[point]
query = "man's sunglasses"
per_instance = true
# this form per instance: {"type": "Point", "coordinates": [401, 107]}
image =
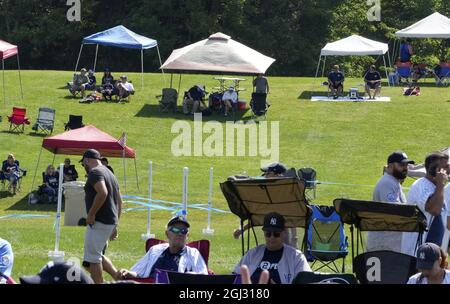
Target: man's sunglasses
{"type": "Point", "coordinates": [268, 234]}
{"type": "Point", "coordinates": [177, 230]}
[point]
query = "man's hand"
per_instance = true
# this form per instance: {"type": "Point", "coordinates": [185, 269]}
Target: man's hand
{"type": "Point", "coordinates": [245, 276]}
{"type": "Point", "coordinates": [441, 177]}
{"type": "Point", "coordinates": [90, 219]}
{"type": "Point", "coordinates": [114, 235]}
{"type": "Point", "coordinates": [237, 233]}
{"type": "Point", "coordinates": [126, 274]}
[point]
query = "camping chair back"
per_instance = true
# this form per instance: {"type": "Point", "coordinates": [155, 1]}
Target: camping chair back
{"type": "Point", "coordinates": [445, 70]}
{"type": "Point", "coordinates": [307, 277]}
{"type": "Point", "coordinates": [168, 99]}
{"type": "Point", "coordinates": [45, 120]}
{"type": "Point", "coordinates": [384, 267]}
{"type": "Point", "coordinates": [259, 104]}
{"type": "Point", "coordinates": [201, 245]}
{"type": "Point", "coordinates": [18, 119]}
{"type": "Point", "coordinates": [173, 277]}
{"type": "Point", "coordinates": [75, 122]}
{"type": "Point", "coordinates": [309, 176]}
{"type": "Point", "coordinates": [326, 240]}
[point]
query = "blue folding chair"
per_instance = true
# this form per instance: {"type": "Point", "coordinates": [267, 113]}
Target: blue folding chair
{"type": "Point", "coordinates": [403, 70]}
{"type": "Point", "coordinates": [326, 241]}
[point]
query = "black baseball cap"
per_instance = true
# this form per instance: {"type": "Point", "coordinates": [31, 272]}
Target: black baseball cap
{"type": "Point", "coordinates": [91, 153]}
{"type": "Point", "coordinates": [427, 255]}
{"type": "Point", "coordinates": [58, 273]}
{"type": "Point", "coordinates": [273, 222]}
{"type": "Point", "coordinates": [178, 219]}
{"type": "Point", "coordinates": [276, 167]}
{"type": "Point", "coordinates": [399, 157]}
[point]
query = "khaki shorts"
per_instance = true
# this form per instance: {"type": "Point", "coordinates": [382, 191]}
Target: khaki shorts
{"type": "Point", "coordinates": [95, 241]}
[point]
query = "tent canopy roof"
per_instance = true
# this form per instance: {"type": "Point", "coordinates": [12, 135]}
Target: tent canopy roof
{"type": "Point", "coordinates": [354, 45]}
{"type": "Point", "coordinates": [75, 142]}
{"type": "Point", "coordinates": [433, 26]}
{"type": "Point", "coordinates": [122, 37]}
{"type": "Point", "coordinates": [218, 53]}
{"type": "Point", "coordinates": [7, 49]}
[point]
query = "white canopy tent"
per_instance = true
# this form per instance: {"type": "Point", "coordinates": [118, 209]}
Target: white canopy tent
{"type": "Point", "coordinates": [433, 26]}
{"type": "Point", "coordinates": [353, 45]}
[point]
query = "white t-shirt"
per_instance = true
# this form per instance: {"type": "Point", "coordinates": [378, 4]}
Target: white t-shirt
{"type": "Point", "coordinates": [415, 279]}
{"type": "Point", "coordinates": [128, 86]}
{"type": "Point", "coordinates": [419, 193]}
{"type": "Point", "coordinates": [230, 95]}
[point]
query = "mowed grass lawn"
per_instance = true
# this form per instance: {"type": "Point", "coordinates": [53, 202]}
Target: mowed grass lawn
{"type": "Point", "coordinates": [345, 142]}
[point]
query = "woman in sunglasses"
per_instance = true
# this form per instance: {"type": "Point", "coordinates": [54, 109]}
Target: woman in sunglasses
{"type": "Point", "coordinates": [282, 261]}
{"type": "Point", "coordinates": [171, 256]}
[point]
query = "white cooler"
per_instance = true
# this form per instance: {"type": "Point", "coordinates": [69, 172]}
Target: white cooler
{"type": "Point", "coordinates": [75, 207]}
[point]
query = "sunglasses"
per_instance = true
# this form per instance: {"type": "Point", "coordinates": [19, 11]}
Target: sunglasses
{"type": "Point", "coordinates": [177, 230]}
{"type": "Point", "coordinates": [268, 234]}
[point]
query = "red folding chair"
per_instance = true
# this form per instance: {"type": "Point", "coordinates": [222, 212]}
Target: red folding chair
{"type": "Point", "coordinates": [18, 120]}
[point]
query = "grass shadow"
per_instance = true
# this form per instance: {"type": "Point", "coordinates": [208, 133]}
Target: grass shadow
{"type": "Point", "coordinates": [307, 94]}
{"type": "Point", "coordinates": [11, 132]}
{"type": "Point", "coordinates": [34, 134]}
{"type": "Point", "coordinates": [23, 205]}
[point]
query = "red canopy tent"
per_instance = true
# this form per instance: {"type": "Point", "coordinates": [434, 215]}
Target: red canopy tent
{"type": "Point", "coordinates": [8, 50]}
{"type": "Point", "coordinates": [75, 142]}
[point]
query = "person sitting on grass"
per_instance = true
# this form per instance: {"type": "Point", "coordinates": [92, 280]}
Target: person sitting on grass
{"type": "Point", "coordinates": [282, 261]}
{"type": "Point", "coordinates": [229, 99]}
{"type": "Point", "coordinates": [10, 171]}
{"type": "Point", "coordinates": [373, 82]}
{"type": "Point", "coordinates": [171, 256]}
{"type": "Point", "coordinates": [432, 265]}
{"type": "Point", "coordinates": [125, 88]}
{"type": "Point", "coordinates": [336, 81]}
{"type": "Point", "coordinates": [79, 83]}
{"type": "Point", "coordinates": [51, 183]}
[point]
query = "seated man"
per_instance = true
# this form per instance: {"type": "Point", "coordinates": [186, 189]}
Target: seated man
{"type": "Point", "coordinates": [6, 258]}
{"type": "Point", "coordinates": [336, 81]}
{"type": "Point", "coordinates": [193, 98]}
{"type": "Point", "coordinates": [373, 82]}
{"type": "Point", "coordinates": [172, 256]}
{"type": "Point", "coordinates": [70, 173]}
{"type": "Point", "coordinates": [92, 80]}
{"type": "Point", "coordinates": [229, 99]}
{"type": "Point", "coordinates": [11, 172]}
{"type": "Point", "coordinates": [283, 261]}
{"type": "Point", "coordinates": [124, 88]}
{"type": "Point", "coordinates": [79, 83]}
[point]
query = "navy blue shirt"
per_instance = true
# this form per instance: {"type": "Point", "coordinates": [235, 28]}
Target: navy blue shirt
{"type": "Point", "coordinates": [372, 76]}
{"type": "Point", "coordinates": [196, 93]}
{"type": "Point", "coordinates": [166, 261]}
{"type": "Point", "coordinates": [52, 180]}
{"type": "Point", "coordinates": [336, 76]}
{"type": "Point", "coordinates": [269, 262]}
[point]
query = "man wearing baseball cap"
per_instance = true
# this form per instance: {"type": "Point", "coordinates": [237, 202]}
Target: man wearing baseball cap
{"type": "Point", "coordinates": [389, 190]}
{"type": "Point", "coordinates": [432, 266]}
{"type": "Point", "coordinates": [275, 169]}
{"type": "Point", "coordinates": [171, 256]}
{"type": "Point", "coordinates": [428, 193]}
{"type": "Point", "coordinates": [103, 207]}
{"type": "Point", "coordinates": [282, 261]}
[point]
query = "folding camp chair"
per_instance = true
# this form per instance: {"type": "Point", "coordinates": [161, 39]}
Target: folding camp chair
{"type": "Point", "coordinates": [75, 122]}
{"type": "Point", "coordinates": [45, 121]}
{"type": "Point", "coordinates": [18, 120]}
{"type": "Point", "coordinates": [309, 176]}
{"type": "Point", "coordinates": [307, 277]}
{"type": "Point", "coordinates": [5, 180]}
{"type": "Point", "coordinates": [326, 240]}
{"type": "Point", "coordinates": [443, 76]}
{"type": "Point", "coordinates": [384, 267]}
{"type": "Point", "coordinates": [403, 70]}
{"type": "Point", "coordinates": [259, 104]}
{"type": "Point", "coordinates": [168, 100]}
{"type": "Point", "coordinates": [173, 277]}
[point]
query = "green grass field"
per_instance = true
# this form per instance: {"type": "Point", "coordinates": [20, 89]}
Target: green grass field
{"type": "Point", "coordinates": [345, 142]}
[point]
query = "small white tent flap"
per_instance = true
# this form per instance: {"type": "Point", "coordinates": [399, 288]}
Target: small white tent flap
{"type": "Point", "coordinates": [218, 53]}
{"type": "Point", "coordinates": [433, 26]}
{"type": "Point", "coordinates": [354, 46]}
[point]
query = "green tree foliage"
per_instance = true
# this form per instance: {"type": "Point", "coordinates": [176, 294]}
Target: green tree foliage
{"type": "Point", "coordinates": [291, 31]}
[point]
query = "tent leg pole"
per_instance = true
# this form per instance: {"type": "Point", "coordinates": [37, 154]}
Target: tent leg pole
{"type": "Point", "coordinates": [160, 62]}
{"type": "Point", "coordinates": [96, 55]}
{"type": "Point", "coordinates": [53, 161]}
{"type": "Point", "coordinates": [124, 173]}
{"type": "Point", "coordinates": [324, 62]}
{"type": "Point", "coordinates": [137, 177]}
{"type": "Point", "coordinates": [171, 80]}
{"type": "Point", "coordinates": [179, 85]}
{"type": "Point", "coordinates": [317, 72]}
{"type": "Point", "coordinates": [142, 69]}
{"type": "Point", "coordinates": [79, 56]}
{"type": "Point", "coordinates": [34, 177]}
{"type": "Point", "coordinates": [20, 77]}
{"type": "Point", "coordinates": [386, 72]}
{"type": "Point", "coordinates": [3, 79]}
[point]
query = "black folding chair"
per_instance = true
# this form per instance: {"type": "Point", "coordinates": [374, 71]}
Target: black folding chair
{"type": "Point", "coordinates": [75, 122]}
{"type": "Point", "coordinates": [168, 100]}
{"type": "Point", "coordinates": [306, 277]}
{"type": "Point", "coordinates": [259, 105]}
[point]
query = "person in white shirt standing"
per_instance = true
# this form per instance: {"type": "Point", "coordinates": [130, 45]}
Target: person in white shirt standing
{"type": "Point", "coordinates": [428, 194]}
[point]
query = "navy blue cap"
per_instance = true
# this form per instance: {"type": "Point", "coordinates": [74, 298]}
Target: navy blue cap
{"type": "Point", "coordinates": [427, 255]}
{"type": "Point", "coordinates": [276, 167]}
{"type": "Point", "coordinates": [58, 273]}
{"type": "Point", "coordinates": [178, 219]}
{"type": "Point", "coordinates": [399, 157]}
{"type": "Point", "coordinates": [273, 222]}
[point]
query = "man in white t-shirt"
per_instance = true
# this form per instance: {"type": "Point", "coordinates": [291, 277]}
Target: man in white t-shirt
{"type": "Point", "coordinates": [428, 194]}
{"type": "Point", "coordinates": [125, 88]}
{"type": "Point", "coordinates": [229, 98]}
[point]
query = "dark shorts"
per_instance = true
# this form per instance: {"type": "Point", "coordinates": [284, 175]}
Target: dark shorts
{"type": "Point", "coordinates": [373, 85]}
{"type": "Point", "coordinates": [336, 86]}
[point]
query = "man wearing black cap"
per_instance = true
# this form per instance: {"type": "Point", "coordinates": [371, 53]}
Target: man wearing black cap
{"type": "Point", "coordinates": [429, 195]}
{"type": "Point", "coordinates": [171, 256]}
{"type": "Point", "coordinates": [58, 273]}
{"type": "Point", "coordinates": [282, 261]}
{"type": "Point", "coordinates": [103, 207]}
{"type": "Point", "coordinates": [432, 266]}
{"type": "Point", "coordinates": [389, 190]}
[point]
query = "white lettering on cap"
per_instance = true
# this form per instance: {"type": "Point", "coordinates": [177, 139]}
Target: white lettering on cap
{"type": "Point", "coordinates": [273, 221]}
{"type": "Point", "coordinates": [422, 256]}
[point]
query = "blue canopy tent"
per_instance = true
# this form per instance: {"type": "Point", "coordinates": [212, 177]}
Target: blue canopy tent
{"type": "Point", "coordinates": [122, 37]}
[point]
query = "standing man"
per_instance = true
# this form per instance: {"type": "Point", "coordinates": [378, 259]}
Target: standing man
{"type": "Point", "coordinates": [261, 84]}
{"type": "Point", "coordinates": [389, 190]}
{"type": "Point", "coordinates": [406, 51]}
{"type": "Point", "coordinates": [103, 207]}
{"type": "Point", "coordinates": [428, 194]}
